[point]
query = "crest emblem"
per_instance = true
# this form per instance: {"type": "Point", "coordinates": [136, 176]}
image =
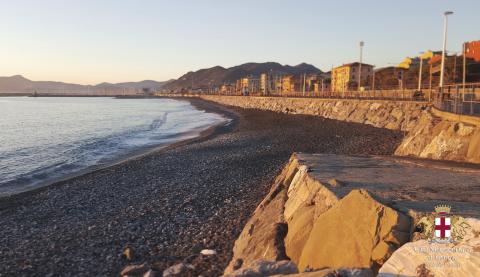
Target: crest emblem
{"type": "Point", "coordinates": [443, 227]}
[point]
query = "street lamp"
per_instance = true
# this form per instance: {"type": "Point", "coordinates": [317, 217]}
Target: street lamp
{"type": "Point", "coordinates": [445, 26]}
{"type": "Point", "coordinates": [420, 71]}
{"type": "Point", "coordinates": [360, 66]}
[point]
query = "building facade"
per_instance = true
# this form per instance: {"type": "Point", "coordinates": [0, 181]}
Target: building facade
{"type": "Point", "coordinates": [346, 77]}
{"type": "Point", "coordinates": [248, 85]}
{"type": "Point", "coordinates": [288, 84]}
{"type": "Point", "coordinates": [472, 50]}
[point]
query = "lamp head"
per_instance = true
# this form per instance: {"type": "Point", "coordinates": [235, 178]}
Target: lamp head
{"type": "Point", "coordinates": [448, 13]}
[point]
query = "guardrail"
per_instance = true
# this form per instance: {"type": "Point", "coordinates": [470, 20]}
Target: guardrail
{"type": "Point", "coordinates": [394, 95]}
{"type": "Point", "coordinates": [462, 99]}
{"type": "Point", "coordinates": [459, 99]}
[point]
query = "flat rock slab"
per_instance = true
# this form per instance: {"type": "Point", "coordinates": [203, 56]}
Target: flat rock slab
{"type": "Point", "coordinates": [409, 184]}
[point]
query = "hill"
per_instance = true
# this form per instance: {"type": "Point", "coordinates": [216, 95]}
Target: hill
{"type": "Point", "coordinates": [20, 84]}
{"type": "Point", "coordinates": [218, 75]}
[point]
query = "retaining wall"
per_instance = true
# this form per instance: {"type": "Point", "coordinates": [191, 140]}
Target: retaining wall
{"type": "Point", "coordinates": [429, 133]}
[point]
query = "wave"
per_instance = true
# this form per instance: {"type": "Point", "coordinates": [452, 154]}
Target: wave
{"type": "Point", "coordinates": [67, 143]}
{"type": "Point", "coordinates": [157, 123]}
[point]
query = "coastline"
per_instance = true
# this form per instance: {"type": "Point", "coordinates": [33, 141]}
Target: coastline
{"type": "Point", "coordinates": [231, 119]}
{"type": "Point", "coordinates": [167, 205]}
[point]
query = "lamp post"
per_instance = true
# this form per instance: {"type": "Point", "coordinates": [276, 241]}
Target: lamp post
{"type": "Point", "coordinates": [445, 27]}
{"type": "Point", "coordinates": [360, 66]}
{"type": "Point", "coordinates": [420, 72]}
{"type": "Point", "coordinates": [373, 81]}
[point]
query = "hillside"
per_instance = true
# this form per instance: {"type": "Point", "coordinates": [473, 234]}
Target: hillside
{"type": "Point", "coordinates": [218, 75]}
{"type": "Point", "coordinates": [20, 84]}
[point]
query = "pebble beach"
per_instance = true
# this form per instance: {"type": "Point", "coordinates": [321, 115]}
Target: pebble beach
{"type": "Point", "coordinates": [165, 207]}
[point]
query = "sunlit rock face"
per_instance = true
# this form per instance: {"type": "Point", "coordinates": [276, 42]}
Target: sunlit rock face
{"type": "Point", "coordinates": [358, 232]}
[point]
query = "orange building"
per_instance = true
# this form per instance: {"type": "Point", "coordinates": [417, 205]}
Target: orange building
{"type": "Point", "coordinates": [472, 50]}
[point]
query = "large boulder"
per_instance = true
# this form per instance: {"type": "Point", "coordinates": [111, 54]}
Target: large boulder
{"type": "Point", "coordinates": [358, 232]}
{"type": "Point", "coordinates": [299, 228]}
{"type": "Point", "coordinates": [307, 199]}
{"type": "Point", "coordinates": [262, 236]}
{"type": "Point", "coordinates": [435, 259]}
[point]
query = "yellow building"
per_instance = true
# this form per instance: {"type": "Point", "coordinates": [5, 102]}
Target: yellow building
{"type": "Point", "coordinates": [248, 85]}
{"type": "Point", "coordinates": [264, 87]}
{"type": "Point", "coordinates": [288, 84]}
{"type": "Point", "coordinates": [345, 77]}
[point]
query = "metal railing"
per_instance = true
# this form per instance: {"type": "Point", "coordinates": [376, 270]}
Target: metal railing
{"type": "Point", "coordinates": [393, 94]}
{"type": "Point", "coordinates": [459, 99]}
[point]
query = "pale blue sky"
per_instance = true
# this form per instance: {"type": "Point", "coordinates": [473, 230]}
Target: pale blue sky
{"type": "Point", "coordinates": [87, 41]}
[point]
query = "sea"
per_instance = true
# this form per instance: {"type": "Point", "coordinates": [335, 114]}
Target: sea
{"type": "Point", "coordinates": [43, 139]}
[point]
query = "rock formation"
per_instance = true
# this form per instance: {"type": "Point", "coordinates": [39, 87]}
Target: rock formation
{"type": "Point", "coordinates": [358, 232]}
{"type": "Point", "coordinates": [304, 221]}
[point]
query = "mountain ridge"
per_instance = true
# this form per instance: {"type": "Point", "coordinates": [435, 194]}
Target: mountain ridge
{"type": "Point", "coordinates": [202, 78]}
{"type": "Point", "coordinates": [20, 84]}
{"type": "Point", "coordinates": [218, 75]}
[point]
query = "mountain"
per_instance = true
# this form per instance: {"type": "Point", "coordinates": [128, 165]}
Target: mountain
{"type": "Point", "coordinates": [136, 85]}
{"type": "Point", "coordinates": [20, 84]}
{"type": "Point", "coordinates": [219, 75]}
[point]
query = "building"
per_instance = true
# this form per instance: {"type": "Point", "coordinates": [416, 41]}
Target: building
{"type": "Point", "coordinates": [319, 82]}
{"type": "Point", "coordinates": [288, 84]}
{"type": "Point", "coordinates": [390, 78]}
{"type": "Point", "coordinates": [266, 85]}
{"type": "Point", "coordinates": [472, 50]}
{"type": "Point", "coordinates": [345, 77]}
{"type": "Point", "coordinates": [277, 83]}
{"type": "Point", "coordinates": [248, 85]}
{"type": "Point", "coordinates": [227, 89]}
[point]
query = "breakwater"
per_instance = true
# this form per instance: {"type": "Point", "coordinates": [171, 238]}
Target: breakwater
{"type": "Point", "coordinates": [429, 133]}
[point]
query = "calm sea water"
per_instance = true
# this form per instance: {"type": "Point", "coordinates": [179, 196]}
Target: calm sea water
{"type": "Point", "coordinates": [42, 139]}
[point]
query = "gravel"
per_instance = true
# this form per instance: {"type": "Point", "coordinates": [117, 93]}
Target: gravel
{"type": "Point", "coordinates": [165, 207]}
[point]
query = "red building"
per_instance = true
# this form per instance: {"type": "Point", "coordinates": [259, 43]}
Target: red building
{"type": "Point", "coordinates": [472, 50]}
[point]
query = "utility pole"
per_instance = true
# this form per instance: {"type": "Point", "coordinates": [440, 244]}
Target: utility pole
{"type": "Point", "coordinates": [304, 80]}
{"type": "Point", "coordinates": [420, 73]}
{"type": "Point", "coordinates": [455, 69]}
{"type": "Point", "coordinates": [373, 81]}
{"type": "Point", "coordinates": [430, 86]}
{"type": "Point", "coordinates": [360, 66]}
{"type": "Point", "coordinates": [445, 29]}
{"type": "Point", "coordinates": [464, 77]}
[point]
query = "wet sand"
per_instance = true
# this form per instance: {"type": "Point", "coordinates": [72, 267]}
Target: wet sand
{"type": "Point", "coordinates": [169, 204]}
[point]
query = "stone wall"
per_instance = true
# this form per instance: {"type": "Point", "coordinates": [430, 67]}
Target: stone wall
{"type": "Point", "coordinates": [438, 135]}
{"type": "Point", "coordinates": [399, 115]}
{"type": "Point", "coordinates": [429, 134]}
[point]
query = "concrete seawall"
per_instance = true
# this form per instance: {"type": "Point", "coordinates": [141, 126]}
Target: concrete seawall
{"type": "Point", "coordinates": [429, 133]}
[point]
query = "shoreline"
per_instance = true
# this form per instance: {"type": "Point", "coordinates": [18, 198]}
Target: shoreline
{"type": "Point", "coordinates": [169, 204]}
{"type": "Point", "coordinates": [231, 119]}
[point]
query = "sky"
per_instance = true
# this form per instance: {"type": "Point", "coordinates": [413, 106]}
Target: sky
{"type": "Point", "coordinates": [89, 42]}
